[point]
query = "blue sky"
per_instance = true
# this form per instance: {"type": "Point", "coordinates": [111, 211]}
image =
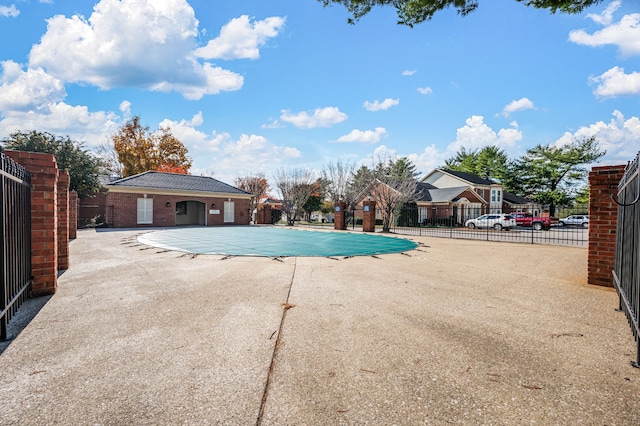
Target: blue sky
{"type": "Point", "coordinates": [254, 86]}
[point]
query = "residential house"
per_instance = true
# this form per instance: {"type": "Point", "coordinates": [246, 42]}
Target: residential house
{"type": "Point", "coordinates": [491, 192]}
{"type": "Point", "coordinates": [169, 199]}
{"type": "Point", "coordinates": [457, 203]}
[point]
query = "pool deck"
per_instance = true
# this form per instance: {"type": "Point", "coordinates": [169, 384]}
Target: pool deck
{"type": "Point", "coordinates": [455, 332]}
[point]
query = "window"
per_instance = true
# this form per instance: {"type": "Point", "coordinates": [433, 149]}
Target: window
{"type": "Point", "coordinates": [145, 211]}
{"type": "Point", "coordinates": [229, 211]}
{"type": "Point", "coordinates": [496, 196]}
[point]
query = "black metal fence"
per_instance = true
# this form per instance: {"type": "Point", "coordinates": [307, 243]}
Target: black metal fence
{"type": "Point", "coordinates": [568, 227]}
{"type": "Point", "coordinates": [16, 239]}
{"type": "Point", "coordinates": [626, 276]}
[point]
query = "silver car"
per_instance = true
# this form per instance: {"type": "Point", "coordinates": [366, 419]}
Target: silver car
{"type": "Point", "coordinates": [575, 220]}
{"type": "Point", "coordinates": [496, 221]}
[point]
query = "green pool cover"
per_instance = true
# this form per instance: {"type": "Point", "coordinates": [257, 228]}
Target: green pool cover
{"type": "Point", "coordinates": [274, 242]}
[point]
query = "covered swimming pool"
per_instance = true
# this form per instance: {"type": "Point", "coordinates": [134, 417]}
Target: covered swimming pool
{"type": "Point", "coordinates": [274, 242]}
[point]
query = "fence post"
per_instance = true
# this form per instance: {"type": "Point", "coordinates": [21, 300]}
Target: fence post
{"type": "Point", "coordinates": [603, 220]}
{"type": "Point", "coordinates": [44, 218]}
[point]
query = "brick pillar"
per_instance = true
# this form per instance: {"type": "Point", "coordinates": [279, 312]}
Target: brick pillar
{"type": "Point", "coordinates": [263, 216]}
{"type": "Point", "coordinates": [338, 216]}
{"type": "Point", "coordinates": [73, 215]}
{"type": "Point", "coordinates": [63, 220]}
{"type": "Point", "coordinates": [369, 216]}
{"type": "Point", "coordinates": [44, 220]}
{"type": "Point", "coordinates": [603, 221]}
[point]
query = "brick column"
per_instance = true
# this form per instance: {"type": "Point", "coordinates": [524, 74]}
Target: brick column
{"type": "Point", "coordinates": [603, 221]}
{"type": "Point", "coordinates": [369, 216]}
{"type": "Point", "coordinates": [63, 220]}
{"type": "Point", "coordinates": [73, 215]}
{"type": "Point", "coordinates": [263, 215]}
{"type": "Point", "coordinates": [44, 220]}
{"type": "Point", "coordinates": [338, 216]}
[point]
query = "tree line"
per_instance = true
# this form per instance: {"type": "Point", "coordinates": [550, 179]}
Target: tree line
{"type": "Point", "coordinates": [554, 176]}
{"type": "Point", "coordinates": [547, 174]}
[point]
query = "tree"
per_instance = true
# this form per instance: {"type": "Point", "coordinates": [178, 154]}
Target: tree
{"type": "Point", "coordinates": [295, 186]}
{"type": "Point", "coordinates": [489, 163]}
{"type": "Point", "coordinates": [256, 185]}
{"type": "Point", "coordinates": [315, 201]}
{"type": "Point", "coordinates": [82, 165]}
{"type": "Point", "coordinates": [413, 12]}
{"type": "Point", "coordinates": [140, 151]}
{"type": "Point", "coordinates": [393, 185]}
{"type": "Point", "coordinates": [549, 174]}
{"type": "Point", "coordinates": [338, 178]}
{"type": "Point", "coordinates": [109, 163]}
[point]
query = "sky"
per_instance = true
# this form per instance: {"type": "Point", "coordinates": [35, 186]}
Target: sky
{"type": "Point", "coordinates": [258, 86]}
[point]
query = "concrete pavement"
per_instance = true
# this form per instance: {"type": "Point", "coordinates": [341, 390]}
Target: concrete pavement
{"type": "Point", "coordinates": [462, 332]}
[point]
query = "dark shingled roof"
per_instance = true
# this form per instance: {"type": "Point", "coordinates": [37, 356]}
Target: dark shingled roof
{"type": "Point", "coordinates": [513, 198]}
{"type": "Point", "coordinates": [422, 191]}
{"type": "Point", "coordinates": [470, 177]}
{"type": "Point", "coordinates": [176, 182]}
{"type": "Point", "coordinates": [427, 192]}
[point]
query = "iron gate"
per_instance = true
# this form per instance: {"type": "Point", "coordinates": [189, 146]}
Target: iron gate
{"type": "Point", "coordinates": [625, 270]}
{"type": "Point", "coordinates": [16, 237]}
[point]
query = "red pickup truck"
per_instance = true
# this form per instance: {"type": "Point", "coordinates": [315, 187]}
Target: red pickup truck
{"type": "Point", "coordinates": [527, 219]}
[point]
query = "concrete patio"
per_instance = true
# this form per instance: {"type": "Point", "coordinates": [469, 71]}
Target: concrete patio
{"type": "Point", "coordinates": [455, 332]}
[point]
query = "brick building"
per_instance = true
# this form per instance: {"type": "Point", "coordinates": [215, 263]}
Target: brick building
{"type": "Point", "coordinates": [169, 199]}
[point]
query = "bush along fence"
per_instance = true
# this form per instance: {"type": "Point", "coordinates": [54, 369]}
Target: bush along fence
{"type": "Point", "coordinates": [625, 271]}
{"type": "Point", "coordinates": [16, 239]}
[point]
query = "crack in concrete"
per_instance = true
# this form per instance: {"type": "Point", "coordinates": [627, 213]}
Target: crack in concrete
{"type": "Point", "coordinates": [285, 308]}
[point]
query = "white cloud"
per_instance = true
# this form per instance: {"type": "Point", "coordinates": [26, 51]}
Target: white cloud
{"type": "Point", "coordinates": [131, 43]}
{"type": "Point", "coordinates": [476, 135]}
{"type": "Point", "coordinates": [241, 38]}
{"type": "Point", "coordinates": [226, 157]}
{"type": "Point", "coordinates": [77, 122]}
{"type": "Point", "coordinates": [425, 90]}
{"type": "Point", "coordinates": [377, 105]}
{"type": "Point", "coordinates": [364, 136]}
{"type": "Point", "coordinates": [624, 34]}
{"type": "Point", "coordinates": [248, 154]}
{"type": "Point", "coordinates": [125, 109]}
{"type": "Point", "coordinates": [320, 117]}
{"type": "Point", "coordinates": [428, 159]}
{"type": "Point", "coordinates": [408, 73]}
{"type": "Point", "coordinates": [606, 17]}
{"type": "Point", "coordinates": [9, 11]}
{"type": "Point", "coordinates": [23, 90]}
{"type": "Point", "coordinates": [521, 104]}
{"type": "Point", "coordinates": [272, 124]}
{"type": "Point", "coordinates": [615, 82]}
{"type": "Point", "coordinates": [620, 137]}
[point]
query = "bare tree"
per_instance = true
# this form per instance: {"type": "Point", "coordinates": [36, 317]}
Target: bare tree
{"type": "Point", "coordinates": [295, 186]}
{"type": "Point", "coordinates": [338, 179]}
{"type": "Point", "coordinates": [110, 165]}
{"type": "Point", "coordinates": [256, 185]}
{"type": "Point", "coordinates": [393, 185]}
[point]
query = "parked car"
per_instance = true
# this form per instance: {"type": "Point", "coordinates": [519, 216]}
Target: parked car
{"type": "Point", "coordinates": [576, 220]}
{"type": "Point", "coordinates": [529, 220]}
{"type": "Point", "coordinates": [496, 221]}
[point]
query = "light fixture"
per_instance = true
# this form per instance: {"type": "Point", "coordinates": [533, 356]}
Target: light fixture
{"type": "Point", "coordinates": [213, 205]}
{"type": "Point", "coordinates": [168, 204]}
